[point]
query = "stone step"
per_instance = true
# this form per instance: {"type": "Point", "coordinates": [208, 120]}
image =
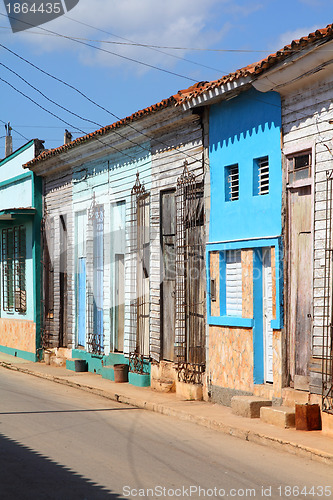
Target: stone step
{"type": "Point", "coordinates": [162, 385]}
{"type": "Point", "coordinates": [248, 406]}
{"type": "Point", "coordinates": [281, 416]}
{"type": "Point", "coordinates": [57, 360]}
{"type": "Point", "coordinates": [292, 396]}
{"type": "Point", "coordinates": [77, 365]}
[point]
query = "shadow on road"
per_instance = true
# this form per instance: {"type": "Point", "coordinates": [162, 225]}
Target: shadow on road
{"type": "Point", "coordinates": [26, 474]}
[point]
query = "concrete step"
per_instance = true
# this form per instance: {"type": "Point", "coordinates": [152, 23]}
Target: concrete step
{"type": "Point", "coordinates": [162, 385]}
{"type": "Point", "coordinates": [292, 396]}
{"type": "Point", "coordinates": [281, 416]}
{"type": "Point", "coordinates": [77, 365]}
{"type": "Point", "coordinates": [248, 406]}
{"type": "Point", "coordinates": [57, 360]}
{"type": "Point", "coordinates": [264, 391]}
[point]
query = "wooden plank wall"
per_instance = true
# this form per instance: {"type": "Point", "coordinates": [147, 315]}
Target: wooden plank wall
{"type": "Point", "coordinates": [58, 198]}
{"type": "Point", "coordinates": [182, 140]}
{"type": "Point", "coordinates": [305, 120]}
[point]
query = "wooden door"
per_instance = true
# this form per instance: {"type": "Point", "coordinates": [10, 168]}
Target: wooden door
{"type": "Point", "coordinates": [168, 284]}
{"type": "Point", "coordinates": [63, 282]}
{"type": "Point", "coordinates": [300, 281]}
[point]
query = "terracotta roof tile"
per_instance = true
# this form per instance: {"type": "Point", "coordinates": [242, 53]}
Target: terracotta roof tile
{"type": "Point", "coordinates": [199, 88]}
{"type": "Point", "coordinates": [171, 101]}
{"type": "Point", "coordinates": [257, 68]}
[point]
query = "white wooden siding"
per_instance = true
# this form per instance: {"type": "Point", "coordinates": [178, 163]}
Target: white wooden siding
{"type": "Point", "coordinates": [180, 142]}
{"type": "Point", "coordinates": [305, 120]}
{"type": "Point", "coordinates": [233, 281]}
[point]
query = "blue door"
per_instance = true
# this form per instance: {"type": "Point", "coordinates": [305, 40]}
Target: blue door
{"type": "Point", "coordinates": [82, 302]}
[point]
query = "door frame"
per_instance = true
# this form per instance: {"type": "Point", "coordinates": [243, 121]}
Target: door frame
{"type": "Point", "coordinates": [290, 152]}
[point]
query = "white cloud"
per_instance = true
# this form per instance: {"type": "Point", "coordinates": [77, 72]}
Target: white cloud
{"type": "Point", "coordinates": [287, 37]}
{"type": "Point", "coordinates": [184, 23]}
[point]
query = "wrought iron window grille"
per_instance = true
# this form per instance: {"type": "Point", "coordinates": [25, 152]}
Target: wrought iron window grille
{"type": "Point", "coordinates": [137, 362]}
{"type": "Point", "coordinates": [13, 246]}
{"type": "Point", "coordinates": [190, 278]}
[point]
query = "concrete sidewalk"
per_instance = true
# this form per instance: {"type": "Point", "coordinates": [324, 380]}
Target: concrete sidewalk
{"type": "Point", "coordinates": [313, 445]}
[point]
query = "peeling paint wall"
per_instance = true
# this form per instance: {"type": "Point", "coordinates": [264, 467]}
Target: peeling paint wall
{"type": "Point", "coordinates": [247, 283]}
{"type": "Point", "coordinates": [231, 357]}
{"type": "Point", "coordinates": [18, 334]}
{"type": "Point", "coordinates": [215, 275]}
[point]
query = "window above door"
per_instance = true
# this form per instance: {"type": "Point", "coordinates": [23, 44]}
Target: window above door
{"type": "Point", "coordinates": [299, 166]}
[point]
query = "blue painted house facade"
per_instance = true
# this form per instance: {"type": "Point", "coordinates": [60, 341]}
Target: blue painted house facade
{"type": "Point", "coordinates": [20, 257]}
{"type": "Point", "coordinates": [244, 248]}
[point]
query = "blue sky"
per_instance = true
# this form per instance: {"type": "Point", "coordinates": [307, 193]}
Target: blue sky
{"type": "Point", "coordinates": [255, 28]}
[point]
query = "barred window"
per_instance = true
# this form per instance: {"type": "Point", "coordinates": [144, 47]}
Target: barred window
{"type": "Point", "coordinates": [261, 176]}
{"type": "Point", "coordinates": [232, 183]}
{"type": "Point", "coordinates": [13, 247]}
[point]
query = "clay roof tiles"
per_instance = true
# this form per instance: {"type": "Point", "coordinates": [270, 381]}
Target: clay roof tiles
{"type": "Point", "coordinates": [254, 69]}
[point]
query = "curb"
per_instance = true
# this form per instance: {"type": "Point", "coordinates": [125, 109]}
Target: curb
{"type": "Point", "coordinates": [247, 435]}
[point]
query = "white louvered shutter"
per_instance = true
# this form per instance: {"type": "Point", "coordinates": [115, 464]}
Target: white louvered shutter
{"type": "Point", "coordinates": [233, 283]}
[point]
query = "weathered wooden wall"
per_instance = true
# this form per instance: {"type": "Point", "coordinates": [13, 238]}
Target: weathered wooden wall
{"type": "Point", "coordinates": [180, 140]}
{"type": "Point", "coordinates": [58, 199]}
{"type": "Point", "coordinates": [305, 116]}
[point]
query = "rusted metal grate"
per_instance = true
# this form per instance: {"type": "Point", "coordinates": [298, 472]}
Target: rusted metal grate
{"type": "Point", "coordinates": [327, 346]}
{"type": "Point", "coordinates": [13, 246]}
{"type": "Point", "coordinates": [140, 268]}
{"type": "Point", "coordinates": [95, 337]}
{"type": "Point", "coordinates": [190, 278]}
{"type": "Point", "coordinates": [137, 362]}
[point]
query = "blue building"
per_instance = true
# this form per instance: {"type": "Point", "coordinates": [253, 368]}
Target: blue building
{"type": "Point", "coordinates": [20, 261]}
{"type": "Point", "coordinates": [244, 248]}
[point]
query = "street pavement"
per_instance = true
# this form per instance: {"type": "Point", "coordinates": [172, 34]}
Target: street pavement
{"type": "Point", "coordinates": [314, 445]}
{"type": "Point", "coordinates": [61, 443]}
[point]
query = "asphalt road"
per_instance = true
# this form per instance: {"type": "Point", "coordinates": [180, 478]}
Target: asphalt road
{"type": "Point", "coordinates": [57, 442]}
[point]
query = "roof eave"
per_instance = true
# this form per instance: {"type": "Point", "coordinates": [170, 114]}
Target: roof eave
{"type": "Point", "coordinates": [217, 93]}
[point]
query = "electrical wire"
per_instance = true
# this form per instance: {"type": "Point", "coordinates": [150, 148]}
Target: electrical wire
{"type": "Point", "coordinates": [84, 96]}
{"type": "Point", "coordinates": [17, 132]}
{"type": "Point", "coordinates": [151, 66]}
{"type": "Point", "coordinates": [106, 146]}
{"type": "Point", "coordinates": [129, 42]}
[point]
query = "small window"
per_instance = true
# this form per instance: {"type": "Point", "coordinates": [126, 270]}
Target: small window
{"type": "Point", "coordinates": [231, 183]}
{"type": "Point", "coordinates": [233, 277]}
{"type": "Point", "coordinates": [13, 247]}
{"type": "Point", "coordinates": [299, 166]}
{"type": "Point", "coordinates": [261, 176]}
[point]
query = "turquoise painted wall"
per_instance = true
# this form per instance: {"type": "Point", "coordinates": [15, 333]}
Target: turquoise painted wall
{"type": "Point", "coordinates": [111, 178]}
{"type": "Point", "coordinates": [12, 165]}
{"type": "Point", "coordinates": [20, 188]}
{"type": "Point", "coordinates": [241, 130]}
{"type": "Point", "coordinates": [29, 270]}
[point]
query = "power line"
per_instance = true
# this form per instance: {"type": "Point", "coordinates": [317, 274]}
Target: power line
{"type": "Point", "coordinates": [104, 50]}
{"type": "Point", "coordinates": [50, 100]}
{"type": "Point", "coordinates": [129, 42]}
{"type": "Point", "coordinates": [67, 110]}
{"type": "Point", "coordinates": [84, 96]}
{"type": "Point", "coordinates": [136, 44]}
{"type": "Point", "coordinates": [107, 146]}
{"type": "Point", "coordinates": [19, 133]}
